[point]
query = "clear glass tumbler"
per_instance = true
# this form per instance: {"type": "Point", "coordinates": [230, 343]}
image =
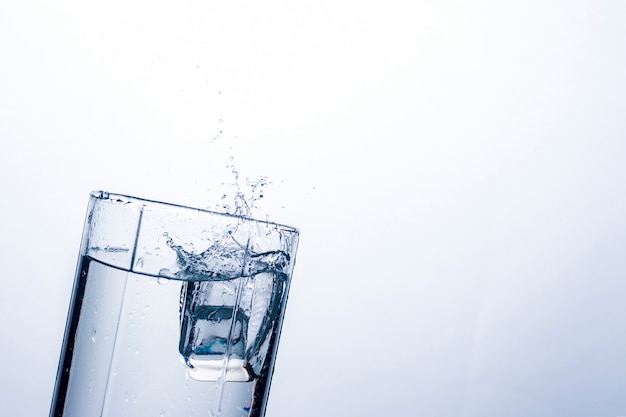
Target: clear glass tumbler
{"type": "Point", "coordinates": [175, 312]}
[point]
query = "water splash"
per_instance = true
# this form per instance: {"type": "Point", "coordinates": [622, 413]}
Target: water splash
{"type": "Point", "coordinates": [242, 200]}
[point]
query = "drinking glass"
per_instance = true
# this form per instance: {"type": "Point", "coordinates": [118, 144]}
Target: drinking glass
{"type": "Point", "coordinates": [175, 311]}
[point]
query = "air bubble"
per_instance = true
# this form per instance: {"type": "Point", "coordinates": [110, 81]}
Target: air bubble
{"type": "Point", "coordinates": [93, 336]}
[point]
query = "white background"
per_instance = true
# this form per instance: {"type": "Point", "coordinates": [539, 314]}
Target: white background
{"type": "Point", "coordinates": [456, 169]}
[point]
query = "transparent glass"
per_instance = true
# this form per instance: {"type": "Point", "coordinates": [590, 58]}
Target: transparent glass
{"type": "Point", "coordinates": [175, 312]}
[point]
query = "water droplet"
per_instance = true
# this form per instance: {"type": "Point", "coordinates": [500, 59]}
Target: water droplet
{"type": "Point", "coordinates": [93, 336]}
{"type": "Point", "coordinates": [126, 396]}
{"type": "Point", "coordinates": [163, 281]}
{"type": "Point", "coordinates": [162, 414]}
{"type": "Point", "coordinates": [221, 120]}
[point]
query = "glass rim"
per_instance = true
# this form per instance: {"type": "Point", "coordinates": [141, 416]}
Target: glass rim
{"type": "Point", "coordinates": [106, 195]}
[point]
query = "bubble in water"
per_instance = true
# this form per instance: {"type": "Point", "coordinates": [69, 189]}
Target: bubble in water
{"type": "Point", "coordinates": [162, 414]}
{"type": "Point", "coordinates": [93, 336]}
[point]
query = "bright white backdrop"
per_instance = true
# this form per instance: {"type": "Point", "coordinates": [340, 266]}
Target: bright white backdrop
{"type": "Point", "coordinates": [456, 170]}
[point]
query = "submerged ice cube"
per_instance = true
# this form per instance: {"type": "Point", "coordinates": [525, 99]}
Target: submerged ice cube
{"type": "Point", "coordinates": [230, 303]}
{"type": "Point", "coordinates": [225, 325]}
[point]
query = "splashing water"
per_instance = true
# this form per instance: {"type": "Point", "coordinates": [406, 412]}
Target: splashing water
{"type": "Point", "coordinates": [239, 200]}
